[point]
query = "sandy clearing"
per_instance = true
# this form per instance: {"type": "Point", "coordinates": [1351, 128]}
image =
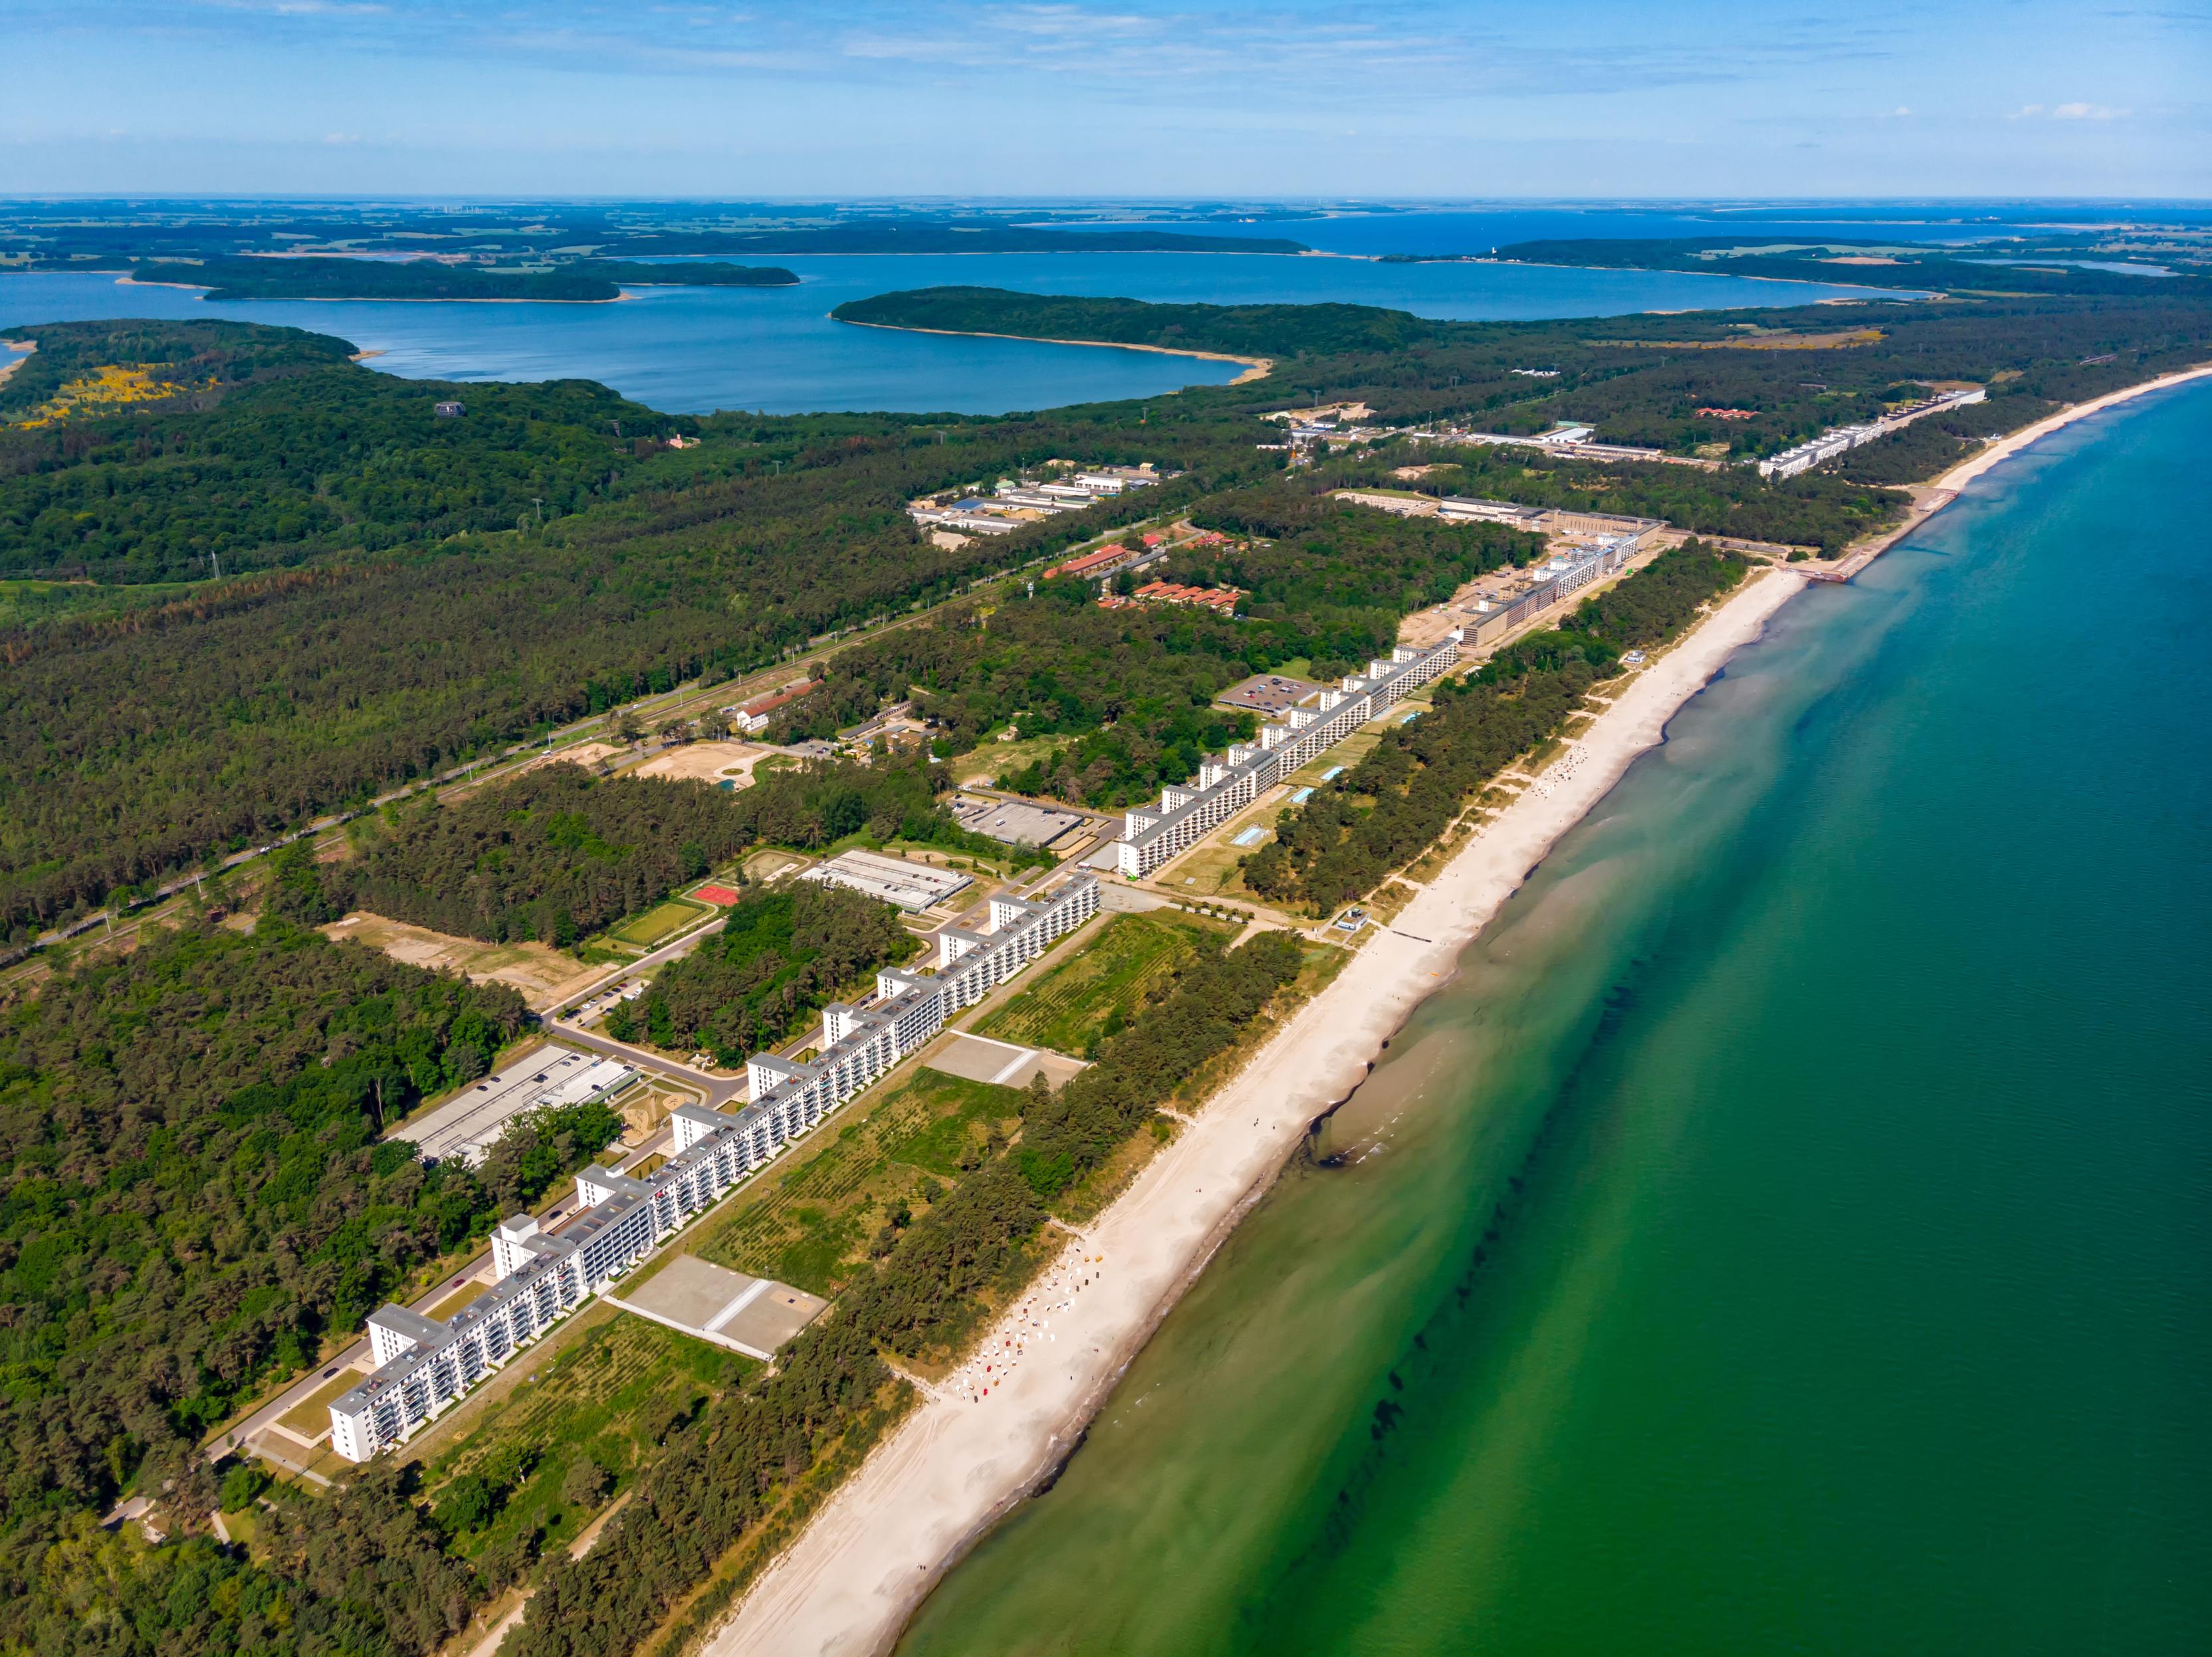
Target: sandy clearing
{"type": "Point", "coordinates": [848, 1583]}
{"type": "Point", "coordinates": [708, 761]}
{"type": "Point", "coordinates": [543, 975]}
{"type": "Point", "coordinates": [584, 753]}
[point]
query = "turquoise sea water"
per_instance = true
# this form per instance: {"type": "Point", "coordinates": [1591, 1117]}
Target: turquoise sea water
{"type": "Point", "coordinates": [1792, 1232]}
{"type": "Point", "coordinates": [694, 350]}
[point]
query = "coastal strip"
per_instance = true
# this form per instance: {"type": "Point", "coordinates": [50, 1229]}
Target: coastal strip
{"type": "Point", "coordinates": [848, 1583]}
{"type": "Point", "coordinates": [22, 348]}
{"type": "Point", "coordinates": [1928, 499]}
{"type": "Point", "coordinates": [1255, 367]}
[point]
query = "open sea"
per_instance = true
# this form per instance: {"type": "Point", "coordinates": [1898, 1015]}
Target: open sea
{"type": "Point", "coordinates": [1792, 1231]}
{"type": "Point", "coordinates": [691, 350]}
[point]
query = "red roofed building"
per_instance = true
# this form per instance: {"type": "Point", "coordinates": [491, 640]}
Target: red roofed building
{"type": "Point", "coordinates": [1091, 563]}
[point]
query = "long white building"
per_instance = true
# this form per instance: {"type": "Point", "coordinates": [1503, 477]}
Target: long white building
{"type": "Point", "coordinates": [423, 1366]}
{"type": "Point", "coordinates": [1227, 783]}
{"type": "Point", "coordinates": [1841, 439]}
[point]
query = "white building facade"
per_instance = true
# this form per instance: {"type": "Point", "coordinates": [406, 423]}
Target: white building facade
{"type": "Point", "coordinates": [1227, 783]}
{"type": "Point", "coordinates": [424, 1366]}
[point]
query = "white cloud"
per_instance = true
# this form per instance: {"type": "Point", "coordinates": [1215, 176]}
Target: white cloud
{"type": "Point", "coordinates": [2066, 112]}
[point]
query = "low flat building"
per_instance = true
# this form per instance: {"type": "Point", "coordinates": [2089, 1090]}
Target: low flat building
{"type": "Point", "coordinates": [1269, 693]}
{"type": "Point", "coordinates": [1016, 822]}
{"type": "Point", "coordinates": [466, 1126]}
{"type": "Point", "coordinates": [913, 886]}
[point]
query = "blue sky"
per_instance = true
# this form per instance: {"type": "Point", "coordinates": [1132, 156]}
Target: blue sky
{"type": "Point", "coordinates": [1155, 97]}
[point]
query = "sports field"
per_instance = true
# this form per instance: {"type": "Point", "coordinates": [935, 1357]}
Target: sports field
{"type": "Point", "coordinates": [660, 923]}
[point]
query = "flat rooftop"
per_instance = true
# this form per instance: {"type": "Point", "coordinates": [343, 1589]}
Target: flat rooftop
{"type": "Point", "coordinates": [912, 886]}
{"type": "Point", "coordinates": [466, 1126]}
{"type": "Point", "coordinates": [1015, 822]}
{"type": "Point", "coordinates": [730, 1308]}
{"type": "Point", "coordinates": [1269, 693]}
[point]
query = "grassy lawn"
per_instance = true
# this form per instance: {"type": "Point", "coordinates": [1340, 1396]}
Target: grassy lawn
{"type": "Point", "coordinates": [810, 1226]}
{"type": "Point", "coordinates": [612, 1397]}
{"type": "Point", "coordinates": [311, 1416]}
{"type": "Point", "coordinates": [660, 923]}
{"type": "Point", "coordinates": [1070, 1005]}
{"type": "Point", "coordinates": [983, 763]}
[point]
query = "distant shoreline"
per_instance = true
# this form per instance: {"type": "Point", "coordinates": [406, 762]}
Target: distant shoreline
{"type": "Point", "coordinates": [205, 288]}
{"type": "Point", "coordinates": [1255, 367]}
{"type": "Point", "coordinates": [1932, 497]}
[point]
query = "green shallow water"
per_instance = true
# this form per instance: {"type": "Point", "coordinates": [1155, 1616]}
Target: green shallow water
{"type": "Point", "coordinates": [1792, 1231]}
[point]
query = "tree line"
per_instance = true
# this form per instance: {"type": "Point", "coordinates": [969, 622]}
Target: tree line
{"type": "Point", "coordinates": [1382, 812]}
{"type": "Point", "coordinates": [554, 854]}
{"type": "Point", "coordinates": [778, 960]}
{"type": "Point", "coordinates": [196, 1199]}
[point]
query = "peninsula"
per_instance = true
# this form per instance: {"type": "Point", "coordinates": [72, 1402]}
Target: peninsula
{"type": "Point", "coordinates": [591, 281]}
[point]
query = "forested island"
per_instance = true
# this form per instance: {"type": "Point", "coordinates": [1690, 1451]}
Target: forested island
{"type": "Point", "coordinates": [1854, 263]}
{"type": "Point", "coordinates": [588, 282]}
{"type": "Point", "coordinates": [1229, 330]}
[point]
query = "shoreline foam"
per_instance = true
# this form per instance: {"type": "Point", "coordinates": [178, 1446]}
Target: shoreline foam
{"type": "Point", "coordinates": [848, 1584]}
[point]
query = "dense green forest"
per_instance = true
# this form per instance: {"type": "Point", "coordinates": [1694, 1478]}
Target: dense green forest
{"type": "Point", "coordinates": [140, 740]}
{"type": "Point", "coordinates": [1381, 812]}
{"type": "Point", "coordinates": [287, 692]}
{"type": "Point", "coordinates": [272, 450]}
{"type": "Point", "coordinates": [386, 279]}
{"type": "Point", "coordinates": [194, 1196]}
{"type": "Point", "coordinates": [1132, 690]}
{"type": "Point", "coordinates": [554, 854]}
{"type": "Point", "coordinates": [778, 961]}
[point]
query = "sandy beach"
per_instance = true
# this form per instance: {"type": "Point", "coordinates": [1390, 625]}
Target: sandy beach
{"type": "Point", "coordinates": [21, 350]}
{"type": "Point", "coordinates": [848, 1584]}
{"type": "Point", "coordinates": [1967, 470]}
{"type": "Point", "coordinates": [1255, 367]}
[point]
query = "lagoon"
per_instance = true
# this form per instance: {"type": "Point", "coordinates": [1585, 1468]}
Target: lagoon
{"type": "Point", "coordinates": [692, 350]}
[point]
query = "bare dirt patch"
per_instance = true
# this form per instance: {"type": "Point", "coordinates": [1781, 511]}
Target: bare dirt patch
{"type": "Point", "coordinates": [708, 761]}
{"type": "Point", "coordinates": [544, 975]}
{"type": "Point", "coordinates": [584, 753]}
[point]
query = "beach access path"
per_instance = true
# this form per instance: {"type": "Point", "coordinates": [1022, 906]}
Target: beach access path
{"type": "Point", "coordinates": [847, 1585]}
